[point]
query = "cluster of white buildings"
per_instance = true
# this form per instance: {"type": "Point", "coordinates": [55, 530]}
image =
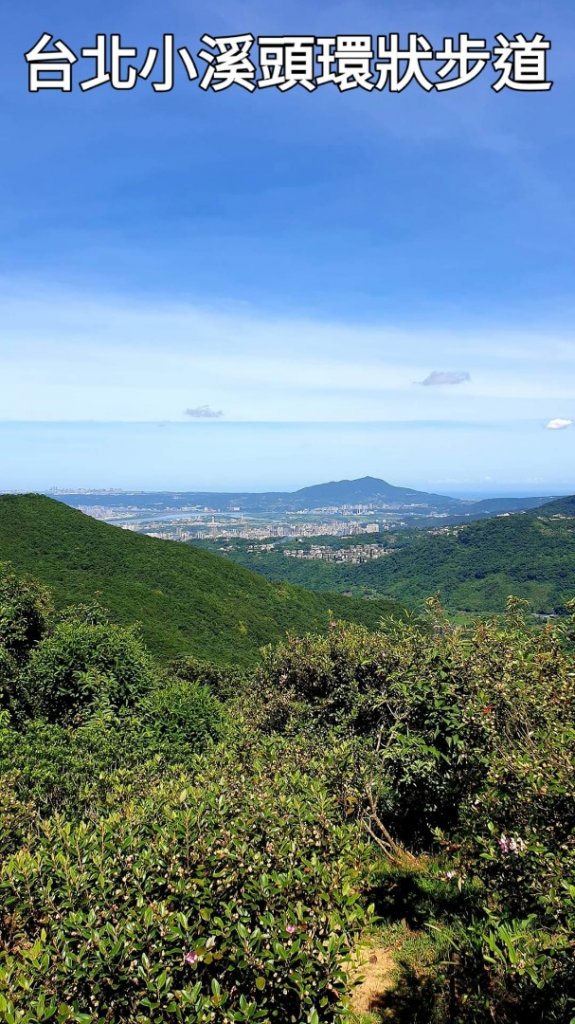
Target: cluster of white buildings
{"type": "Point", "coordinates": [355, 554]}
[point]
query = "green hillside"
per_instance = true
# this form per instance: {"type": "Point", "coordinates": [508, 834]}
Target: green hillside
{"type": "Point", "coordinates": [187, 601]}
{"type": "Point", "coordinates": [478, 567]}
{"type": "Point", "coordinates": [559, 507]}
{"type": "Point", "coordinates": [530, 555]}
{"type": "Point", "coordinates": [314, 575]}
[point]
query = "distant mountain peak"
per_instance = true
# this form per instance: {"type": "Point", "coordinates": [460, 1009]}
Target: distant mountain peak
{"type": "Point", "coordinates": [364, 490]}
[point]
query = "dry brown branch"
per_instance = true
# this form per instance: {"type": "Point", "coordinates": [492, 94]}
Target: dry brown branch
{"type": "Point", "coordinates": [393, 850]}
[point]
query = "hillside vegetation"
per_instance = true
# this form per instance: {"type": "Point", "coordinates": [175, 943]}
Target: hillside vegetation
{"type": "Point", "coordinates": [189, 845]}
{"type": "Point", "coordinates": [186, 601]}
{"type": "Point", "coordinates": [480, 566]}
{"type": "Point", "coordinates": [560, 507]}
{"type": "Point", "coordinates": [475, 569]}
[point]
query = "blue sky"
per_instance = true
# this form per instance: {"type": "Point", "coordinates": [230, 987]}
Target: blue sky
{"type": "Point", "coordinates": [297, 263]}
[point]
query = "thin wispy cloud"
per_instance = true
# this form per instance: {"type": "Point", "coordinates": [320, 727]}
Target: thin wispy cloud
{"type": "Point", "coordinates": [60, 349]}
{"type": "Point", "coordinates": [204, 412]}
{"type": "Point", "coordinates": [558, 424]}
{"type": "Point", "coordinates": [438, 378]}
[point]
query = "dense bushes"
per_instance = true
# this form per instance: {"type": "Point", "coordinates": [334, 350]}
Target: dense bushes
{"type": "Point", "coordinates": [80, 662]}
{"type": "Point", "coordinates": [82, 698]}
{"type": "Point", "coordinates": [57, 667]}
{"type": "Point", "coordinates": [178, 719]}
{"type": "Point", "coordinates": [198, 844]}
{"type": "Point", "coordinates": [24, 607]}
{"type": "Point", "coordinates": [212, 897]}
{"type": "Point", "coordinates": [431, 703]}
{"type": "Point", "coordinates": [519, 841]}
{"type": "Point", "coordinates": [465, 747]}
{"type": "Point", "coordinates": [227, 889]}
{"type": "Point", "coordinates": [65, 768]}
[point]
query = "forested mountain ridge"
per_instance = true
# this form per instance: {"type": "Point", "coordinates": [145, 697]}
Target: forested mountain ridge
{"type": "Point", "coordinates": [477, 567]}
{"type": "Point", "coordinates": [560, 506]}
{"type": "Point", "coordinates": [474, 568]}
{"type": "Point", "coordinates": [187, 601]}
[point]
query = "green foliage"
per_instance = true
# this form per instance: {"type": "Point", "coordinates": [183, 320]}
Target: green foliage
{"type": "Point", "coordinates": [51, 767]}
{"type": "Point", "coordinates": [224, 681]}
{"type": "Point", "coordinates": [8, 679]}
{"type": "Point", "coordinates": [474, 569]}
{"type": "Point", "coordinates": [188, 602]}
{"type": "Point", "coordinates": [402, 692]}
{"type": "Point", "coordinates": [212, 897]}
{"type": "Point", "coordinates": [465, 747]}
{"type": "Point", "coordinates": [79, 663]}
{"type": "Point", "coordinates": [180, 717]}
{"type": "Point", "coordinates": [518, 841]}
{"type": "Point", "coordinates": [17, 810]}
{"type": "Point", "coordinates": [23, 610]}
{"type": "Point", "coordinates": [203, 843]}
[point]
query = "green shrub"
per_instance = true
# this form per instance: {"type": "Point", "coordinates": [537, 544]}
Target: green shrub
{"type": "Point", "coordinates": [432, 706]}
{"type": "Point", "coordinates": [9, 681]}
{"type": "Point", "coordinates": [59, 767]}
{"type": "Point", "coordinates": [79, 663]}
{"type": "Point", "coordinates": [229, 897]}
{"type": "Point", "coordinates": [518, 842]}
{"type": "Point", "coordinates": [24, 607]}
{"type": "Point", "coordinates": [511, 842]}
{"type": "Point", "coordinates": [17, 809]}
{"type": "Point", "coordinates": [181, 719]}
{"type": "Point", "coordinates": [224, 682]}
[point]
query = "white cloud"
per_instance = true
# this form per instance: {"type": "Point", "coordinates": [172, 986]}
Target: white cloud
{"type": "Point", "coordinates": [440, 377]}
{"type": "Point", "coordinates": [204, 412]}
{"type": "Point", "coordinates": [72, 356]}
{"type": "Point", "coordinates": [558, 424]}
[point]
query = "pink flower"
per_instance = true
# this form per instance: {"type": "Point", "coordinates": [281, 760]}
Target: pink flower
{"type": "Point", "coordinates": [504, 844]}
{"type": "Point", "coordinates": [191, 958]}
{"type": "Point", "coordinates": [290, 929]}
{"type": "Point", "coordinates": [511, 845]}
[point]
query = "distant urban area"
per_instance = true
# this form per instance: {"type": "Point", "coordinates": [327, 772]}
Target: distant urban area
{"type": "Point", "coordinates": [347, 508]}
